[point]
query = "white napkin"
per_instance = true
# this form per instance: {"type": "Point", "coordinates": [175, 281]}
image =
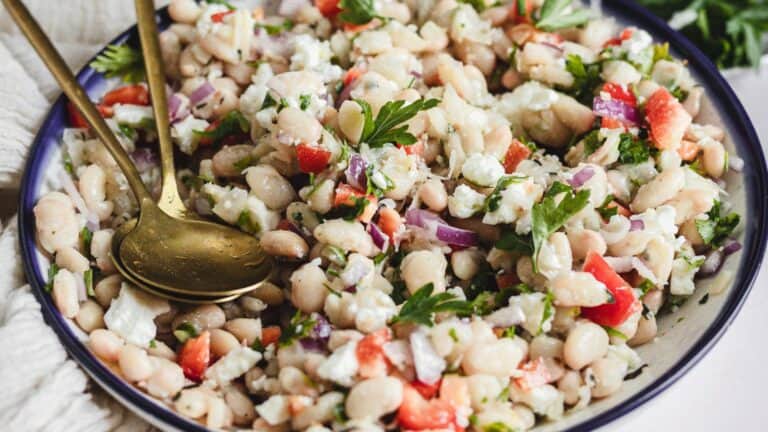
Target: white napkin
{"type": "Point", "coordinates": [42, 388]}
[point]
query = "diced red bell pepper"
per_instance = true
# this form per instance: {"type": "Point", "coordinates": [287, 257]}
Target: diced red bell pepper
{"type": "Point", "coordinates": [370, 354]}
{"type": "Point", "coordinates": [624, 301]}
{"type": "Point", "coordinates": [131, 94]}
{"type": "Point", "coordinates": [270, 335]}
{"type": "Point", "coordinates": [427, 391]}
{"type": "Point", "coordinates": [347, 195]}
{"type": "Point", "coordinates": [390, 222]}
{"type": "Point", "coordinates": [417, 413]}
{"type": "Point", "coordinates": [626, 34]}
{"type": "Point", "coordinates": [618, 92]}
{"type": "Point", "coordinates": [312, 159]}
{"type": "Point", "coordinates": [611, 123]}
{"type": "Point", "coordinates": [219, 17]}
{"type": "Point", "coordinates": [195, 356]}
{"type": "Point", "coordinates": [416, 148]}
{"type": "Point", "coordinates": [76, 119]}
{"type": "Point", "coordinates": [329, 8]}
{"type": "Point", "coordinates": [516, 153]}
{"type": "Point", "coordinates": [667, 119]}
{"type": "Point", "coordinates": [351, 75]}
{"type": "Point", "coordinates": [514, 14]}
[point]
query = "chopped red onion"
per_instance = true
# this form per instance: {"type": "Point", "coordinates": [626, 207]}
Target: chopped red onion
{"type": "Point", "coordinates": [731, 247]}
{"type": "Point", "coordinates": [711, 264]}
{"type": "Point", "coordinates": [201, 93]}
{"type": "Point", "coordinates": [428, 364]}
{"type": "Point", "coordinates": [174, 103]}
{"type": "Point", "coordinates": [555, 47]}
{"type": "Point", "coordinates": [317, 340]}
{"type": "Point", "coordinates": [735, 163]}
{"type": "Point", "coordinates": [143, 159]}
{"type": "Point", "coordinates": [441, 230]}
{"type": "Point", "coordinates": [178, 107]}
{"type": "Point", "coordinates": [345, 94]}
{"type": "Point", "coordinates": [616, 109]}
{"type": "Point", "coordinates": [636, 225]}
{"type": "Point", "coordinates": [416, 74]}
{"type": "Point", "coordinates": [91, 218]}
{"type": "Point", "coordinates": [582, 177]}
{"type": "Point", "coordinates": [355, 172]}
{"type": "Point", "coordinates": [379, 238]}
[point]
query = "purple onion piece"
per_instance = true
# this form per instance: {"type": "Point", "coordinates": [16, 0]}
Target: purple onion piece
{"type": "Point", "coordinates": [201, 93]}
{"type": "Point", "coordinates": [582, 177]}
{"type": "Point", "coordinates": [615, 109]}
{"type": "Point", "coordinates": [636, 225]}
{"type": "Point", "coordinates": [379, 238]}
{"type": "Point", "coordinates": [731, 247]}
{"type": "Point", "coordinates": [416, 74]}
{"type": "Point", "coordinates": [345, 94]}
{"type": "Point", "coordinates": [711, 264]}
{"type": "Point", "coordinates": [313, 344]}
{"type": "Point", "coordinates": [174, 103]}
{"type": "Point", "coordinates": [456, 236]}
{"type": "Point", "coordinates": [735, 163]}
{"type": "Point", "coordinates": [144, 159]}
{"type": "Point", "coordinates": [355, 172]}
{"type": "Point", "coordinates": [317, 340]}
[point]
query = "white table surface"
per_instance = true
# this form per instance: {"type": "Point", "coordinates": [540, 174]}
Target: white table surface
{"type": "Point", "coordinates": [726, 390]}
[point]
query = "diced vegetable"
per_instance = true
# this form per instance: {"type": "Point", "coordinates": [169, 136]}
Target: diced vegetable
{"type": "Point", "coordinates": [312, 159]}
{"type": "Point", "coordinates": [624, 302]}
{"type": "Point", "coordinates": [195, 356]}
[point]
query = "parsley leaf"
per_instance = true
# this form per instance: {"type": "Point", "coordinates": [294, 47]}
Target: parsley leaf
{"type": "Point", "coordinates": [355, 210]}
{"type": "Point", "coordinates": [299, 328]}
{"type": "Point", "coordinates": [234, 123]}
{"type": "Point", "coordinates": [275, 29]}
{"type": "Point", "coordinates": [548, 216]}
{"type": "Point", "coordinates": [549, 310]}
{"type": "Point", "coordinates": [246, 223]}
{"type": "Point", "coordinates": [52, 270]}
{"type": "Point", "coordinates": [420, 307]}
{"type": "Point", "coordinates": [304, 101]}
{"type": "Point", "coordinates": [357, 12]}
{"type": "Point", "coordinates": [554, 15]}
{"type": "Point", "coordinates": [185, 331]}
{"type": "Point", "coordinates": [86, 236]}
{"type": "Point", "coordinates": [592, 142]}
{"type": "Point", "coordinates": [606, 210]}
{"type": "Point", "coordinates": [716, 229]}
{"type": "Point", "coordinates": [69, 167]}
{"type": "Point", "coordinates": [478, 5]}
{"type": "Point", "coordinates": [513, 242]}
{"type": "Point", "coordinates": [120, 61]}
{"type": "Point", "coordinates": [612, 332]}
{"type": "Point", "coordinates": [88, 280]}
{"type": "Point", "coordinates": [633, 151]}
{"type": "Point", "coordinates": [388, 126]}
{"type": "Point", "coordinates": [586, 78]}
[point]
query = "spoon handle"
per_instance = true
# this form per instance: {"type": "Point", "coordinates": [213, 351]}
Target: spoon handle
{"type": "Point", "coordinates": [170, 201]}
{"type": "Point", "coordinates": [75, 93]}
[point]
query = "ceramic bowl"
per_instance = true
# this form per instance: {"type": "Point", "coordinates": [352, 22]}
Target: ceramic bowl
{"type": "Point", "coordinates": [684, 339]}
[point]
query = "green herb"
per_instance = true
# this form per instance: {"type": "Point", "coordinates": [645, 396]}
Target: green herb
{"type": "Point", "coordinates": [592, 142]}
{"type": "Point", "coordinates": [633, 151]}
{"type": "Point", "coordinates": [606, 210]}
{"type": "Point", "coordinates": [661, 52]}
{"type": "Point", "coordinates": [88, 280]}
{"type": "Point", "coordinates": [86, 237]}
{"type": "Point", "coordinates": [554, 15]}
{"type": "Point", "coordinates": [478, 5]}
{"type": "Point", "coordinates": [350, 213]}
{"type": "Point", "coordinates": [453, 335]}
{"type": "Point", "coordinates": [557, 188]}
{"type": "Point", "coordinates": [371, 188]}
{"type": "Point", "coordinates": [222, 2]}
{"type": "Point", "coordinates": [339, 413]}
{"type": "Point", "coordinates": [299, 328]}
{"type": "Point", "coordinates": [127, 131]}
{"type": "Point", "coordinates": [717, 227]}
{"type": "Point", "coordinates": [493, 201]}
{"type": "Point", "coordinates": [503, 394]}
{"type": "Point", "coordinates": [304, 101]}
{"type": "Point", "coordinates": [473, 418]}
{"type": "Point", "coordinates": [185, 331]}
{"type": "Point", "coordinates": [275, 29]}
{"type": "Point", "coordinates": [388, 126]}
{"type": "Point", "coordinates": [153, 343]}
{"type": "Point", "coordinates": [357, 12]}
{"type": "Point", "coordinates": [509, 332]}
{"type": "Point", "coordinates": [514, 242]}
{"type": "Point", "coordinates": [69, 167]}
{"type": "Point", "coordinates": [497, 426]}
{"type": "Point", "coordinates": [258, 346]}
{"type": "Point", "coordinates": [704, 299]}
{"type": "Point", "coordinates": [246, 223]}
{"type": "Point", "coordinates": [612, 332]}
{"type": "Point", "coordinates": [549, 310]}
{"type": "Point", "coordinates": [548, 216]}
{"type": "Point", "coordinates": [379, 258]}
{"type": "Point", "coordinates": [420, 307]}
{"type": "Point", "coordinates": [234, 123]}
{"type": "Point", "coordinates": [730, 32]}
{"type": "Point", "coordinates": [335, 255]}
{"type": "Point", "coordinates": [120, 61]}
{"type": "Point", "coordinates": [52, 270]}
{"type": "Point", "coordinates": [586, 78]}
{"type": "Point", "coordinates": [243, 163]}
{"type": "Point", "coordinates": [645, 287]}
{"type": "Point", "coordinates": [679, 94]}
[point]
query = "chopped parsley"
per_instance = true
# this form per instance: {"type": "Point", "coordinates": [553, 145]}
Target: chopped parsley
{"type": "Point", "coordinates": [52, 270]}
{"type": "Point", "coordinates": [549, 216]}
{"type": "Point", "coordinates": [549, 310]}
{"type": "Point", "coordinates": [555, 15]}
{"type": "Point", "coordinates": [246, 223]}
{"type": "Point", "coordinates": [153, 343]}
{"type": "Point", "coordinates": [88, 280]}
{"type": "Point", "coordinates": [275, 29]}
{"type": "Point", "coordinates": [120, 61]}
{"type": "Point", "coordinates": [717, 227]}
{"type": "Point", "coordinates": [243, 163]}
{"type": "Point", "coordinates": [497, 426]}
{"type": "Point", "coordinates": [234, 123]}
{"type": "Point", "coordinates": [513, 242]}
{"type": "Point", "coordinates": [704, 299]}
{"type": "Point", "coordinates": [633, 151]}
{"type": "Point", "coordinates": [127, 131]}
{"type": "Point", "coordinates": [299, 328]}
{"type": "Point", "coordinates": [269, 101]}
{"type": "Point", "coordinates": [421, 307]}
{"type": "Point", "coordinates": [69, 167]}
{"type": "Point", "coordinates": [185, 331]}
{"type": "Point", "coordinates": [304, 101]}
{"type": "Point", "coordinates": [358, 12]}
{"type": "Point", "coordinates": [388, 126]}
{"type": "Point", "coordinates": [453, 335]}
{"type": "Point", "coordinates": [612, 332]}
{"type": "Point", "coordinates": [645, 287]}
{"type": "Point", "coordinates": [478, 5]}
{"type": "Point", "coordinates": [493, 202]}
{"type": "Point", "coordinates": [606, 210]}
{"type": "Point", "coordinates": [222, 2]}
{"type": "Point", "coordinates": [509, 332]}
{"type": "Point", "coordinates": [586, 78]}
{"type": "Point", "coordinates": [592, 142]}
{"type": "Point", "coordinates": [351, 212]}
{"type": "Point", "coordinates": [86, 237]}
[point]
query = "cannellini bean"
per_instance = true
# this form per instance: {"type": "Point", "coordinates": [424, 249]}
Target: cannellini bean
{"type": "Point", "coordinates": [374, 398]}
{"type": "Point", "coordinates": [565, 319]}
{"type": "Point", "coordinates": [92, 186]}
{"type": "Point", "coordinates": [217, 47]}
{"type": "Point", "coordinates": [585, 343]}
{"type": "Point", "coordinates": [692, 103]}
{"type": "Point", "coordinates": [72, 260]}
{"type": "Point", "coordinates": [244, 329]}
{"type": "Point", "coordinates": [241, 73]}
{"type": "Point", "coordinates": [269, 186]}
{"type": "Point", "coordinates": [351, 120]}
{"type": "Point", "coordinates": [569, 385]}
{"type": "Point", "coordinates": [499, 358]}
{"type": "Point", "coordinates": [203, 317]}
{"type": "Point", "coordinates": [659, 255]}
{"type": "Point", "coordinates": [189, 66]}
{"type": "Point", "coordinates": [609, 374]}
{"type": "Point", "coordinates": [134, 363]}
{"type": "Point", "coordinates": [170, 50]}
{"type": "Point", "coordinates": [653, 300]}
{"type": "Point", "coordinates": [184, 11]}
{"type": "Point", "coordinates": [466, 263]}
{"type": "Point", "coordinates": [225, 161]}
{"type": "Point", "coordinates": [101, 249]}
{"type": "Point", "coordinates": [483, 388]}
{"type": "Point", "coordinates": [350, 236]}
{"type": "Point", "coordinates": [65, 293]}
{"type": "Point", "coordinates": [321, 199]}
{"type": "Point", "coordinates": [422, 267]}
{"type": "Point", "coordinates": [284, 243]}
{"type": "Point", "coordinates": [294, 381]}
{"type": "Point", "coordinates": [222, 342]}
{"type": "Point", "coordinates": [192, 403]}
{"type": "Point", "coordinates": [583, 241]}
{"type": "Point", "coordinates": [661, 189]}
{"type": "Point", "coordinates": [167, 378]}
{"type": "Point", "coordinates": [299, 125]}
{"type": "Point", "coordinates": [578, 289]}
{"type": "Point", "coordinates": [301, 215]}
{"type": "Point", "coordinates": [321, 412]}
{"type": "Point", "coordinates": [219, 414]}
{"type": "Point", "coordinates": [714, 158]}
{"type": "Point", "coordinates": [269, 293]}
{"type": "Point", "coordinates": [546, 346]}
{"type": "Point", "coordinates": [497, 141]}
{"type": "Point", "coordinates": [689, 203]}
{"type": "Point", "coordinates": [243, 412]}
{"type": "Point", "coordinates": [107, 289]}
{"type": "Point", "coordinates": [308, 289]}
{"type": "Point", "coordinates": [646, 331]}
{"type": "Point", "coordinates": [90, 316]}
{"type": "Point", "coordinates": [577, 117]}
{"type": "Point", "coordinates": [433, 194]}
{"type": "Point", "coordinates": [691, 233]}
{"type": "Point", "coordinates": [105, 344]}
{"type": "Point", "coordinates": [160, 349]}
{"type": "Point", "coordinates": [546, 127]}
{"type": "Point", "coordinates": [477, 54]}
{"type": "Point", "coordinates": [56, 222]}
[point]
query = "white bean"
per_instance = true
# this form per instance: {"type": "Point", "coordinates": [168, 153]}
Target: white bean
{"type": "Point", "coordinates": [295, 382]}
{"type": "Point", "coordinates": [351, 120]}
{"type": "Point", "coordinates": [433, 194]}
{"type": "Point", "coordinates": [308, 289]}
{"type": "Point", "coordinates": [269, 293]}
{"type": "Point", "coordinates": [573, 288]}
{"type": "Point", "coordinates": [160, 349]}
{"type": "Point", "coordinates": [284, 243]}
{"type": "Point", "coordinates": [92, 186]}
{"type": "Point", "coordinates": [184, 11]}
{"type": "Point", "coordinates": [105, 344]}
{"type": "Point", "coordinates": [713, 158]}
{"type": "Point", "coordinates": [374, 398]}
{"type": "Point", "coordinates": [56, 222]}
{"type": "Point", "coordinates": [204, 317]}
{"type": "Point", "coordinates": [72, 260]}
{"type": "Point", "coordinates": [170, 50]}
{"type": "Point", "coordinates": [646, 331]}
{"type": "Point", "coordinates": [134, 363]}
{"type": "Point", "coordinates": [546, 346]}
{"type": "Point", "coordinates": [423, 267]}
{"type": "Point", "coordinates": [65, 293]}
{"type": "Point", "coordinates": [107, 289]}
{"type": "Point", "coordinates": [569, 385]}
{"type": "Point", "coordinates": [350, 236]}
{"type": "Point", "coordinates": [583, 241]}
{"type": "Point", "coordinates": [244, 329]}
{"type": "Point", "coordinates": [219, 414]}
{"type": "Point", "coordinates": [189, 66]}
{"type": "Point", "coordinates": [466, 263]}
{"type": "Point", "coordinates": [217, 47]}
{"type": "Point", "coordinates": [321, 412]}
{"type": "Point", "coordinates": [659, 255]}
{"type": "Point", "coordinates": [609, 374]}
{"type": "Point", "coordinates": [499, 358]}
{"type": "Point", "coordinates": [483, 388]}
{"type": "Point", "coordinates": [299, 125]}
{"type": "Point", "coordinates": [659, 190]}
{"type": "Point", "coordinates": [226, 160]}
{"type": "Point", "coordinates": [585, 343]}
{"type": "Point", "coordinates": [192, 403]}
{"type": "Point", "coordinates": [243, 412]}
{"type": "Point", "coordinates": [166, 380]}
{"type": "Point", "coordinates": [222, 342]}
{"type": "Point", "coordinates": [90, 316]}
{"type": "Point", "coordinates": [101, 249]}
{"type": "Point", "coordinates": [269, 186]}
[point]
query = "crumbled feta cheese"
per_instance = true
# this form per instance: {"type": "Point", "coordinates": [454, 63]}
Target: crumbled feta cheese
{"type": "Point", "coordinates": [507, 316]}
{"type": "Point", "coordinates": [372, 42]}
{"type": "Point", "coordinates": [532, 306]}
{"type": "Point", "coordinates": [517, 200]}
{"type": "Point", "coordinates": [229, 203]}
{"type": "Point", "coordinates": [262, 219]}
{"type": "Point", "coordinates": [683, 271]}
{"type": "Point", "coordinates": [482, 170]}
{"type": "Point", "coordinates": [275, 410]}
{"type": "Point", "coordinates": [374, 309]}
{"type": "Point", "coordinates": [341, 366]}
{"type": "Point", "coordinates": [183, 133]}
{"type": "Point", "coordinates": [358, 272]}
{"type": "Point", "coordinates": [237, 362]}
{"type": "Point", "coordinates": [465, 202]}
{"type": "Point", "coordinates": [132, 315]}
{"type": "Point", "coordinates": [428, 364]}
{"type": "Point", "coordinates": [132, 115]}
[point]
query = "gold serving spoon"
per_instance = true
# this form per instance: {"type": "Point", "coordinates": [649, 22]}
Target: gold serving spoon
{"type": "Point", "coordinates": [163, 251]}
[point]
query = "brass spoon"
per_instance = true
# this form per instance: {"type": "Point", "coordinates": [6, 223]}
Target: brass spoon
{"type": "Point", "coordinates": [165, 251]}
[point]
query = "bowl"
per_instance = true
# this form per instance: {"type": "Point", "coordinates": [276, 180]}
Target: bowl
{"type": "Point", "coordinates": [685, 336]}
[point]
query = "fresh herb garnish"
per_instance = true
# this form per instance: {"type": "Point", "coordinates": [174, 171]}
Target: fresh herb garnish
{"type": "Point", "coordinates": [275, 29]}
{"type": "Point", "coordinates": [453, 335]}
{"type": "Point", "coordinates": [549, 310]}
{"type": "Point", "coordinates": [127, 131]}
{"type": "Point", "coordinates": [548, 216]}
{"type": "Point", "coordinates": [52, 270]}
{"type": "Point", "coordinates": [299, 328]}
{"type": "Point", "coordinates": [246, 223]}
{"type": "Point", "coordinates": [388, 126]}
{"type": "Point", "coordinates": [478, 5]}
{"type": "Point", "coordinates": [704, 299]}
{"type": "Point", "coordinates": [120, 61]}
{"type": "Point", "coordinates": [514, 242]}
{"type": "Point", "coordinates": [304, 101]}
{"type": "Point", "coordinates": [612, 332]}
{"type": "Point", "coordinates": [153, 343]}
{"type": "Point", "coordinates": [554, 15]}
{"type": "Point", "coordinates": [258, 346]}
{"type": "Point", "coordinates": [243, 163]}
{"type": "Point", "coordinates": [351, 212]}
{"type": "Point", "coordinates": [69, 167]}
{"type": "Point", "coordinates": [645, 287]}
{"type": "Point", "coordinates": [421, 307]}
{"type": "Point", "coordinates": [632, 150]}
{"type": "Point", "coordinates": [185, 331]}
{"type": "Point", "coordinates": [717, 227]}
{"type": "Point", "coordinates": [234, 123]}
{"type": "Point", "coordinates": [509, 332]}
{"type": "Point", "coordinates": [357, 12]}
{"type": "Point", "coordinates": [606, 210]}
{"type": "Point", "coordinates": [86, 237]}
{"type": "Point", "coordinates": [88, 280]}
{"type": "Point", "coordinates": [498, 426]}
{"type": "Point", "coordinates": [592, 142]}
{"type": "Point", "coordinates": [493, 201]}
{"type": "Point", "coordinates": [586, 78]}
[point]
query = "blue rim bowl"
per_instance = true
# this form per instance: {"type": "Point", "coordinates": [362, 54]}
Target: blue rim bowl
{"type": "Point", "coordinates": [740, 130]}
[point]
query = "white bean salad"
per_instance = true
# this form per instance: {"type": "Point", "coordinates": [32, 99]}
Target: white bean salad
{"type": "Point", "coordinates": [478, 209]}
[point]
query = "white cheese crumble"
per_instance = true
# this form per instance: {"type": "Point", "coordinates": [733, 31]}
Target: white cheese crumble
{"type": "Point", "coordinates": [132, 315]}
{"type": "Point", "coordinates": [237, 362]}
{"type": "Point", "coordinates": [183, 133]}
{"type": "Point", "coordinates": [341, 366]}
{"type": "Point", "coordinates": [465, 202]}
{"type": "Point", "coordinates": [482, 170]}
{"type": "Point", "coordinates": [132, 115]}
{"type": "Point", "coordinates": [275, 410]}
